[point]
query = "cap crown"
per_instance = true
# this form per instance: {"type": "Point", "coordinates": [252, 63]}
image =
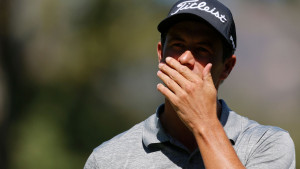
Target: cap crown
{"type": "Point", "coordinates": [212, 11]}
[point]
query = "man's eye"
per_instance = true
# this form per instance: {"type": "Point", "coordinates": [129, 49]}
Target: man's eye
{"type": "Point", "coordinates": [201, 49]}
{"type": "Point", "coordinates": [177, 45]}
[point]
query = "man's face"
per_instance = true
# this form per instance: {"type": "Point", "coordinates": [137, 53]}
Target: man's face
{"type": "Point", "coordinates": [195, 44]}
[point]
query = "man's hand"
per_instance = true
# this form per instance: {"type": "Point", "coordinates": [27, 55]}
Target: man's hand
{"type": "Point", "coordinates": [193, 96]}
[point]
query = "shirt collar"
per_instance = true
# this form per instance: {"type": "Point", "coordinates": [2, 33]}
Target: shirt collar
{"type": "Point", "coordinates": [153, 132]}
{"type": "Point", "coordinates": [232, 122]}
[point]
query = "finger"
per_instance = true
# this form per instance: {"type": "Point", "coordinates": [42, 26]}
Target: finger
{"type": "Point", "coordinates": [207, 73]}
{"type": "Point", "coordinates": [183, 70]}
{"type": "Point", "coordinates": [170, 83]}
{"type": "Point", "coordinates": [166, 92]}
{"type": "Point", "coordinates": [173, 74]}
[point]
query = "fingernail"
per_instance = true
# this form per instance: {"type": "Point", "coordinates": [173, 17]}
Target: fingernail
{"type": "Point", "coordinates": [168, 59]}
{"type": "Point", "coordinates": [158, 85]}
{"type": "Point", "coordinates": [160, 65]}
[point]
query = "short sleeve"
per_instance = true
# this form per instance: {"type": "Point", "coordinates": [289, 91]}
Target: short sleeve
{"type": "Point", "coordinates": [91, 162]}
{"type": "Point", "coordinates": [274, 150]}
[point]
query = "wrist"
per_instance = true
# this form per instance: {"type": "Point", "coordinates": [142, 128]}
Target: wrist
{"type": "Point", "coordinates": [208, 129]}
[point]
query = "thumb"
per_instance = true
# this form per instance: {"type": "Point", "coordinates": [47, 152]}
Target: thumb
{"type": "Point", "coordinates": [207, 74]}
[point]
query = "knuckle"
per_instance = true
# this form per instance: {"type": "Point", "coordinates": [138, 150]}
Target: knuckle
{"type": "Point", "coordinates": [168, 83]}
{"type": "Point", "coordinates": [198, 81]}
{"type": "Point", "coordinates": [183, 69]}
{"type": "Point", "coordinates": [181, 97]}
{"type": "Point", "coordinates": [176, 101]}
{"type": "Point", "coordinates": [171, 76]}
{"type": "Point", "coordinates": [190, 88]}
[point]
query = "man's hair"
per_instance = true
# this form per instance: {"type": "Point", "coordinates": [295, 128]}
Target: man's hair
{"type": "Point", "coordinates": [227, 51]}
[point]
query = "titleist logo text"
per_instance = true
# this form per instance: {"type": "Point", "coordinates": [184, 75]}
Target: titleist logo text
{"type": "Point", "coordinates": [202, 6]}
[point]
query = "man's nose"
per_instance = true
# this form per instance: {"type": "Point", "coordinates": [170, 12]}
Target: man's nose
{"type": "Point", "coordinates": [187, 58]}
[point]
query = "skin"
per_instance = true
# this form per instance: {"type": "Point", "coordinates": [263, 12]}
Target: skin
{"type": "Point", "coordinates": [192, 68]}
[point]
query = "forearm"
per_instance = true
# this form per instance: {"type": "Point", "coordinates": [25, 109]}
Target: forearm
{"type": "Point", "coordinates": [216, 149]}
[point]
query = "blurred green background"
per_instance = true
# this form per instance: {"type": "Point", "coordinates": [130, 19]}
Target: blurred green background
{"type": "Point", "coordinates": [74, 73]}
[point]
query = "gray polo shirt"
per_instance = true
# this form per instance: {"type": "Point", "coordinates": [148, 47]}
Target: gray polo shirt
{"type": "Point", "coordinates": [148, 146]}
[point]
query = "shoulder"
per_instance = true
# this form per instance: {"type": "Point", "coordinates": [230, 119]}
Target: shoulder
{"type": "Point", "coordinates": [128, 136]}
{"type": "Point", "coordinates": [122, 141]}
{"type": "Point", "coordinates": [265, 146]}
{"type": "Point", "coordinates": [112, 150]}
{"type": "Point", "coordinates": [257, 134]}
{"type": "Point", "coordinates": [271, 138]}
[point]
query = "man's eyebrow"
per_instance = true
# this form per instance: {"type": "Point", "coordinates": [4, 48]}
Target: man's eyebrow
{"type": "Point", "coordinates": [206, 43]}
{"type": "Point", "coordinates": [175, 37]}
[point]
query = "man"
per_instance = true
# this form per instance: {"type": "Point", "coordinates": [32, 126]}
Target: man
{"type": "Point", "coordinates": [193, 129]}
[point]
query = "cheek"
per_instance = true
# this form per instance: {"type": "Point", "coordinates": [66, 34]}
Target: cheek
{"type": "Point", "coordinates": [203, 61]}
{"type": "Point", "coordinates": [198, 68]}
{"type": "Point", "coordinates": [216, 73]}
{"type": "Point", "coordinates": [171, 53]}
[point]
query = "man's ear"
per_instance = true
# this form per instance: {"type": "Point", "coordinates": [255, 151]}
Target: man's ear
{"type": "Point", "coordinates": [228, 66]}
{"type": "Point", "coordinates": [159, 52]}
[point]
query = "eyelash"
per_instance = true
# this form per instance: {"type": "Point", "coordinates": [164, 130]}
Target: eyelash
{"type": "Point", "coordinates": [197, 50]}
{"type": "Point", "coordinates": [202, 49]}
